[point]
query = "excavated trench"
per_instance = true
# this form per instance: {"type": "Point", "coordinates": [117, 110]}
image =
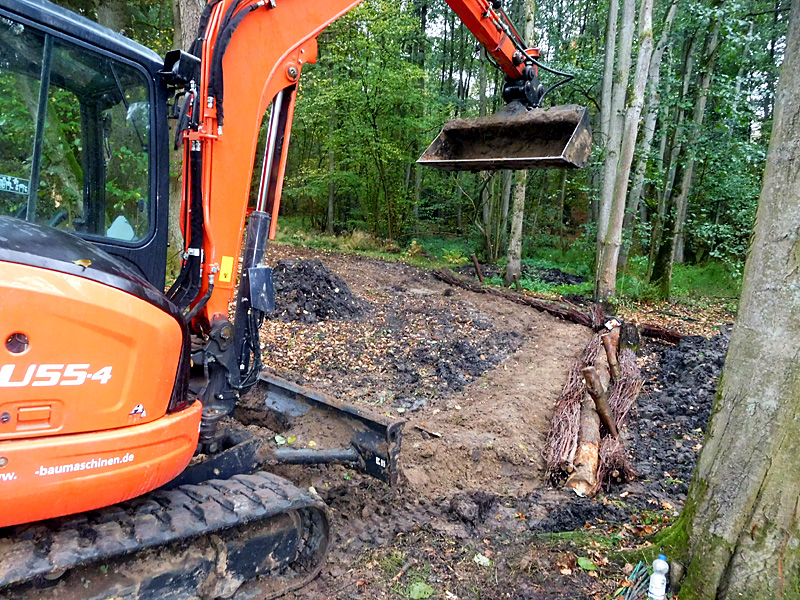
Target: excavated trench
{"type": "Point", "coordinates": [477, 379]}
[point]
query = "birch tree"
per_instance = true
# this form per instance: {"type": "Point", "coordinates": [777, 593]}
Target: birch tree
{"type": "Point", "coordinates": [619, 88]}
{"type": "Point", "coordinates": [513, 266]}
{"type": "Point", "coordinates": [648, 131]}
{"type": "Point", "coordinates": [607, 274]}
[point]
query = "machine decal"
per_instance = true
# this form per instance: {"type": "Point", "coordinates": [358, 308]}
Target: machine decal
{"type": "Point", "coordinates": [226, 269]}
{"type": "Point", "coordinates": [51, 375]}
{"type": "Point", "coordinates": [8, 476]}
{"type": "Point", "coordinates": [138, 410]}
{"type": "Point", "coordinates": [15, 185]}
{"type": "Point", "coordinates": [95, 463]}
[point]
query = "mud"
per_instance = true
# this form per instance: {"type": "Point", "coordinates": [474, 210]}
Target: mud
{"type": "Point", "coordinates": [669, 422]}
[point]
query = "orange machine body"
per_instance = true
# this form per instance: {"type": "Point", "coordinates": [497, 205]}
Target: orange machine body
{"type": "Point", "coordinates": [83, 404]}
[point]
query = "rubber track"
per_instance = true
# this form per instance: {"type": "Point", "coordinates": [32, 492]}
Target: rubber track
{"type": "Point", "coordinates": [156, 519]}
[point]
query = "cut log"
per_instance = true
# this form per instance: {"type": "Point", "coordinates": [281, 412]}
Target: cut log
{"type": "Point", "coordinates": [611, 356]}
{"type": "Point", "coordinates": [478, 271]}
{"type": "Point", "coordinates": [654, 331]}
{"type": "Point", "coordinates": [584, 478]}
{"type": "Point", "coordinates": [600, 396]}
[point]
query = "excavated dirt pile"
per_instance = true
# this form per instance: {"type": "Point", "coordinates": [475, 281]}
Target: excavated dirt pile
{"type": "Point", "coordinates": [307, 291]}
{"type": "Point", "coordinates": [670, 421]}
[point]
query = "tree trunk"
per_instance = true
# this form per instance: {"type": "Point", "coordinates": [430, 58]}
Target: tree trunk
{"type": "Point", "coordinates": [648, 130]}
{"type": "Point", "coordinates": [709, 58]}
{"type": "Point", "coordinates": [608, 70]}
{"type": "Point", "coordinates": [676, 146]}
{"type": "Point", "coordinates": [515, 242]}
{"type": "Point", "coordinates": [742, 512]}
{"type": "Point", "coordinates": [620, 87]}
{"type": "Point", "coordinates": [605, 103]}
{"type": "Point", "coordinates": [518, 211]}
{"type": "Point", "coordinates": [332, 165]}
{"type": "Point", "coordinates": [607, 274]}
{"type": "Point", "coordinates": [508, 179]}
{"type": "Point", "coordinates": [673, 222]}
{"type": "Point", "coordinates": [562, 193]}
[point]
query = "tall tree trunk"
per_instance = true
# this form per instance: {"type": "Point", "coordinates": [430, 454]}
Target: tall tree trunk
{"type": "Point", "coordinates": [513, 267]}
{"type": "Point", "coordinates": [676, 146]}
{"type": "Point", "coordinates": [518, 211]}
{"type": "Point", "coordinates": [562, 193]}
{"type": "Point", "coordinates": [508, 178]}
{"type": "Point", "coordinates": [605, 97]}
{"type": "Point", "coordinates": [648, 130]}
{"type": "Point", "coordinates": [422, 10]}
{"type": "Point", "coordinates": [698, 114]}
{"type": "Point", "coordinates": [607, 274]}
{"type": "Point", "coordinates": [332, 163]}
{"type": "Point", "coordinates": [608, 70]}
{"type": "Point", "coordinates": [744, 502]}
{"type": "Point", "coordinates": [619, 89]}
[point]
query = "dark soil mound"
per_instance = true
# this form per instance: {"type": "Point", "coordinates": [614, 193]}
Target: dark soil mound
{"type": "Point", "coordinates": [307, 291]}
{"type": "Point", "coordinates": [670, 421]}
{"type": "Point", "coordinates": [558, 277]}
{"type": "Point", "coordinates": [551, 276]}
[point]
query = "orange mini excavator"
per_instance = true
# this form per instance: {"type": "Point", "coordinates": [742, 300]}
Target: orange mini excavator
{"type": "Point", "coordinates": [125, 468]}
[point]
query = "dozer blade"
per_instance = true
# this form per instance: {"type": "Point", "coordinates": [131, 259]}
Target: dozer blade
{"type": "Point", "coordinates": [340, 433]}
{"type": "Point", "coordinates": [514, 138]}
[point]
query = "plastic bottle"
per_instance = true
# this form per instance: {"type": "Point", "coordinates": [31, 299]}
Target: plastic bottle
{"type": "Point", "coordinates": [658, 580]}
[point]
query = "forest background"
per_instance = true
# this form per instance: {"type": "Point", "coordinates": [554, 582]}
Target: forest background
{"type": "Point", "coordinates": [683, 88]}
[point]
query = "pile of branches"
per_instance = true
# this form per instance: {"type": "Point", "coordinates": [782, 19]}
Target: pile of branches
{"type": "Point", "coordinates": [562, 439]}
{"type": "Point", "coordinates": [584, 445]}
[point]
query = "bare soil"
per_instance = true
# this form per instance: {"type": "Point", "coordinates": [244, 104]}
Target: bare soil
{"type": "Point", "coordinates": [476, 378]}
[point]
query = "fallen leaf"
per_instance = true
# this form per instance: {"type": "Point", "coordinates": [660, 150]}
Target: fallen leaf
{"type": "Point", "coordinates": [280, 440]}
{"type": "Point", "coordinates": [419, 590]}
{"type": "Point", "coordinates": [482, 560]}
{"type": "Point", "coordinates": [312, 443]}
{"type": "Point", "coordinates": [586, 564]}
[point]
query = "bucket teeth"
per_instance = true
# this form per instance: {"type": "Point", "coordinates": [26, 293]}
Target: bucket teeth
{"type": "Point", "coordinates": [514, 138]}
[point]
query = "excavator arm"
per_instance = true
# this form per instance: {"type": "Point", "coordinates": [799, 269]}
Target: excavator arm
{"type": "Point", "coordinates": [247, 59]}
{"type": "Point", "coordinates": [252, 53]}
{"type": "Point", "coordinates": [125, 424]}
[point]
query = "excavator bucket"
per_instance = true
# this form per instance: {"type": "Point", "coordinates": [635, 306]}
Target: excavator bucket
{"type": "Point", "coordinates": [514, 138]}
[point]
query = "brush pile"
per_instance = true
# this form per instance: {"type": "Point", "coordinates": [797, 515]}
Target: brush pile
{"type": "Point", "coordinates": [584, 447]}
